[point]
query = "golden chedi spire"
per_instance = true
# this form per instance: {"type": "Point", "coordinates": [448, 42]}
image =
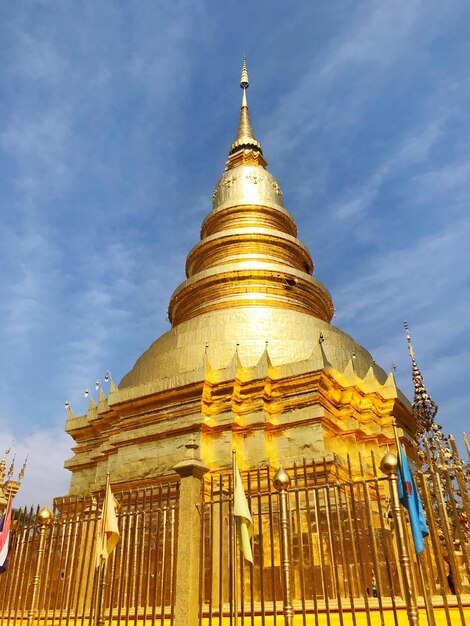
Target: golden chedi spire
{"type": "Point", "coordinates": [249, 281]}
{"type": "Point", "coordinates": [248, 254]}
{"type": "Point", "coordinates": [245, 141]}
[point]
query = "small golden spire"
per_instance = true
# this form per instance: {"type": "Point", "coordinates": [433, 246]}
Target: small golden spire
{"type": "Point", "coordinates": [12, 468]}
{"type": "Point", "coordinates": [244, 82]}
{"type": "Point", "coordinates": [3, 464]}
{"type": "Point", "coordinates": [23, 468]}
{"type": "Point", "coordinates": [245, 138]}
{"type": "Point", "coordinates": [424, 407]}
{"type": "Point", "coordinates": [467, 444]}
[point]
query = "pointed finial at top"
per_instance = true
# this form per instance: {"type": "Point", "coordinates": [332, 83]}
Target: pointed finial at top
{"type": "Point", "coordinates": [424, 407]}
{"type": "Point", "coordinates": [245, 140]}
{"type": "Point", "coordinates": [12, 468]}
{"type": "Point", "coordinates": [23, 468]}
{"type": "Point", "coordinates": [408, 339]}
{"type": "Point", "coordinates": [244, 82]}
{"type": "Point", "coordinates": [416, 371]}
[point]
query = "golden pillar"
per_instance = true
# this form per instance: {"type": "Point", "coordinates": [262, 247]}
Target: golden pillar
{"type": "Point", "coordinates": [188, 558]}
{"type": "Point", "coordinates": [389, 466]}
{"type": "Point", "coordinates": [281, 483]}
{"type": "Point", "coordinates": [45, 518]}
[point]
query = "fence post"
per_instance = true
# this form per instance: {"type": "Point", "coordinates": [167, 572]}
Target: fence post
{"type": "Point", "coordinates": [281, 482]}
{"type": "Point", "coordinates": [220, 547]}
{"type": "Point", "coordinates": [389, 466]}
{"type": "Point", "coordinates": [188, 557]}
{"type": "Point", "coordinates": [45, 518]}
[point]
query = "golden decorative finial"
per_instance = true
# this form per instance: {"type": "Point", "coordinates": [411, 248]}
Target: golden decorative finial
{"type": "Point", "coordinates": [3, 464]}
{"type": "Point", "coordinates": [245, 138]}
{"type": "Point", "coordinates": [22, 470]}
{"type": "Point", "coordinates": [281, 479]}
{"type": "Point", "coordinates": [244, 82]}
{"type": "Point", "coordinates": [467, 444]}
{"type": "Point", "coordinates": [45, 516]}
{"type": "Point", "coordinates": [424, 407]}
{"type": "Point", "coordinates": [12, 468]}
{"type": "Point", "coordinates": [68, 408]}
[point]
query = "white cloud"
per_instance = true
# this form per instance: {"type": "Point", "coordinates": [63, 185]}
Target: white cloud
{"type": "Point", "coordinates": [412, 149]}
{"type": "Point", "coordinates": [416, 276]}
{"type": "Point", "coordinates": [377, 38]}
{"type": "Point", "coordinates": [452, 178]}
{"type": "Point", "coordinates": [343, 75]}
{"type": "Point", "coordinates": [40, 59]}
{"type": "Point", "coordinates": [43, 145]}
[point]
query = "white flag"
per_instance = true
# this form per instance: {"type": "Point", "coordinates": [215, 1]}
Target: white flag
{"type": "Point", "coordinates": [242, 516]}
{"type": "Point", "coordinates": [108, 531]}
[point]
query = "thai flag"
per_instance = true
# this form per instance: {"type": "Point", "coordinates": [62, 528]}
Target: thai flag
{"type": "Point", "coordinates": [4, 537]}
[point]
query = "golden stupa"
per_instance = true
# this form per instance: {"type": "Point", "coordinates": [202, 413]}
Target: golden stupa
{"type": "Point", "coordinates": [252, 361]}
{"type": "Point", "coordinates": [253, 365]}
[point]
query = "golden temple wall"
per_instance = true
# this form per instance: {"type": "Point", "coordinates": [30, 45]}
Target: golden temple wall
{"type": "Point", "coordinates": [269, 420]}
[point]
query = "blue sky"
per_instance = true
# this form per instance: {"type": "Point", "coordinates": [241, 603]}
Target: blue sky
{"type": "Point", "coordinates": [116, 118]}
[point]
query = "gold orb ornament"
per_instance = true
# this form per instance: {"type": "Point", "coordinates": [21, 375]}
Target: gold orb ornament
{"type": "Point", "coordinates": [45, 516]}
{"type": "Point", "coordinates": [281, 480]}
{"type": "Point", "coordinates": [389, 464]}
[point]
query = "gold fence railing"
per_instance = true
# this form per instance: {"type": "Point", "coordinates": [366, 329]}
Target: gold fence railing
{"type": "Point", "coordinates": [140, 571]}
{"type": "Point", "coordinates": [342, 543]}
{"type": "Point", "coordinates": [343, 548]}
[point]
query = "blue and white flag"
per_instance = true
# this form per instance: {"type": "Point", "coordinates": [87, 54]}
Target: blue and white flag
{"type": "Point", "coordinates": [410, 499]}
{"type": "Point", "coordinates": [5, 523]}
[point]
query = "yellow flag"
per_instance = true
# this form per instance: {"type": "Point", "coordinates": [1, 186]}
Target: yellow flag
{"type": "Point", "coordinates": [242, 516]}
{"type": "Point", "coordinates": [108, 531]}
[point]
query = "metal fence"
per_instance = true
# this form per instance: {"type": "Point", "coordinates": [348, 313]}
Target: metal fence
{"type": "Point", "coordinates": [140, 571]}
{"type": "Point", "coordinates": [343, 551]}
{"type": "Point", "coordinates": [344, 554]}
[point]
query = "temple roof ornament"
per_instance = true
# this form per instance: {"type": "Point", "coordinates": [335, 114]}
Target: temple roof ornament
{"type": "Point", "coordinates": [424, 407]}
{"type": "Point", "coordinates": [9, 487]}
{"type": "Point", "coordinates": [438, 455]}
{"type": "Point", "coordinates": [245, 138]}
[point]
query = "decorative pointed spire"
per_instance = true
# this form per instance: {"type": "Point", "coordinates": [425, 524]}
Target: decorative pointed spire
{"type": "Point", "coordinates": [12, 468]}
{"type": "Point", "coordinates": [245, 138]}
{"type": "Point", "coordinates": [3, 465]}
{"type": "Point", "coordinates": [23, 468]}
{"type": "Point", "coordinates": [424, 407]}
{"type": "Point", "coordinates": [68, 408]}
{"type": "Point", "coordinates": [244, 81]}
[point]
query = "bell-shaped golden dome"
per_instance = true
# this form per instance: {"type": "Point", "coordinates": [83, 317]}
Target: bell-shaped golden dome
{"type": "Point", "coordinates": [249, 280]}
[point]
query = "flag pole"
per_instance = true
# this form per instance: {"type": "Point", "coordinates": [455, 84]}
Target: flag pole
{"type": "Point", "coordinates": [399, 477]}
{"type": "Point", "coordinates": [389, 466]}
{"type": "Point", "coordinates": [234, 543]}
{"type": "Point", "coordinates": [426, 594]}
{"type": "Point", "coordinates": [397, 441]}
{"type": "Point", "coordinates": [102, 563]}
{"type": "Point", "coordinates": [5, 516]}
{"type": "Point", "coordinates": [8, 504]}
